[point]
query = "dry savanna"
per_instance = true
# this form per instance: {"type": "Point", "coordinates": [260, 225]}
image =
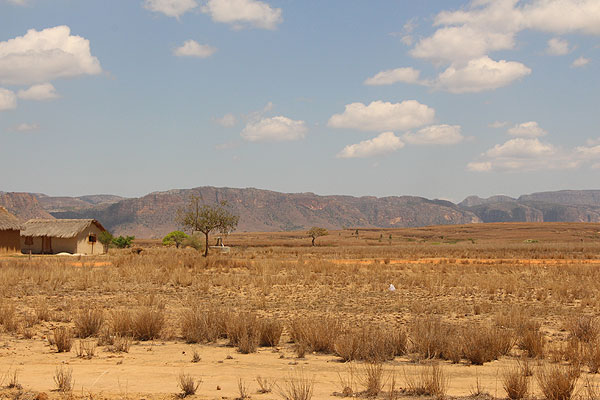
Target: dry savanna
{"type": "Point", "coordinates": [472, 311]}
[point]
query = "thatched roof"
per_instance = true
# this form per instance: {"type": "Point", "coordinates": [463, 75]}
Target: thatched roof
{"type": "Point", "coordinates": [8, 221]}
{"type": "Point", "coordinates": [59, 228]}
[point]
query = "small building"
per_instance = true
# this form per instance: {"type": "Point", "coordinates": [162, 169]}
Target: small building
{"type": "Point", "coordinates": [53, 236]}
{"type": "Point", "coordinates": [9, 232]}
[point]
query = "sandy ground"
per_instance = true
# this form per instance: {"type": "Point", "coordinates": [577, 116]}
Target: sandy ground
{"type": "Point", "coordinates": [153, 367]}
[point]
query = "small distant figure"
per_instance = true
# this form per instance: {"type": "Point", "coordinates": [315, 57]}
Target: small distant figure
{"type": "Point", "coordinates": [392, 288]}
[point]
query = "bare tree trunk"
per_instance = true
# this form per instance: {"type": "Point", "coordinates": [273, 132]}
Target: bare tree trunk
{"type": "Point", "coordinates": [313, 241]}
{"type": "Point", "coordinates": [206, 247]}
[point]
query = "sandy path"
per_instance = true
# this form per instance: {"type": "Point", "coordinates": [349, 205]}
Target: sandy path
{"type": "Point", "coordinates": [153, 368]}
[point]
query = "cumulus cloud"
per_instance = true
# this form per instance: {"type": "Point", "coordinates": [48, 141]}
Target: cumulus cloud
{"type": "Point", "coordinates": [191, 48]}
{"type": "Point", "coordinates": [275, 129]}
{"type": "Point", "coordinates": [26, 127]}
{"type": "Point", "coordinates": [42, 56]}
{"type": "Point", "coordinates": [580, 62]}
{"type": "Point", "coordinates": [481, 74]}
{"type": "Point", "coordinates": [435, 135]}
{"type": "Point", "coordinates": [524, 154]}
{"type": "Point", "coordinates": [171, 8]}
{"type": "Point", "coordinates": [228, 120]}
{"type": "Point", "coordinates": [385, 143]}
{"type": "Point", "coordinates": [8, 100]}
{"type": "Point", "coordinates": [244, 13]}
{"type": "Point", "coordinates": [498, 124]}
{"type": "Point", "coordinates": [558, 47]}
{"type": "Point", "coordinates": [391, 76]}
{"type": "Point", "coordinates": [383, 116]}
{"type": "Point", "coordinates": [463, 40]}
{"type": "Point", "coordinates": [527, 129]}
{"type": "Point", "coordinates": [44, 91]}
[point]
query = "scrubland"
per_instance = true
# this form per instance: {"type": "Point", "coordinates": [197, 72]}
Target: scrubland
{"type": "Point", "coordinates": [482, 311]}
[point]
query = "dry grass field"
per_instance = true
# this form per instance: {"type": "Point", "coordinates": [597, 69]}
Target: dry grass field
{"type": "Point", "coordinates": [478, 311]}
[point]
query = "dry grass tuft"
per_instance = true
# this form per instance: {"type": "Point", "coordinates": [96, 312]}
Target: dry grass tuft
{"type": "Point", "coordinates": [317, 334]}
{"type": "Point", "coordinates": [485, 344]}
{"type": "Point", "coordinates": [557, 382]}
{"type": "Point", "coordinates": [148, 323]}
{"type": "Point", "coordinates": [270, 332]}
{"type": "Point", "coordinates": [584, 328]}
{"type": "Point", "coordinates": [88, 322]}
{"type": "Point", "coordinates": [199, 326]}
{"type": "Point", "coordinates": [515, 383]}
{"type": "Point", "coordinates": [63, 378]}
{"type": "Point", "coordinates": [532, 341]}
{"type": "Point", "coordinates": [242, 390]}
{"type": "Point", "coordinates": [297, 386]}
{"type": "Point", "coordinates": [429, 381]}
{"type": "Point", "coordinates": [86, 349]}
{"type": "Point", "coordinates": [187, 384]}
{"type": "Point", "coordinates": [372, 378]}
{"type": "Point", "coordinates": [265, 385]}
{"type": "Point", "coordinates": [63, 339]}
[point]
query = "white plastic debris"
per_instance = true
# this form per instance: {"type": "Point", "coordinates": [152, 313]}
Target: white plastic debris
{"type": "Point", "coordinates": [392, 288]}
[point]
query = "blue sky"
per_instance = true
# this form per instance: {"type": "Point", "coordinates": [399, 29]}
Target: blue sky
{"type": "Point", "coordinates": [440, 99]}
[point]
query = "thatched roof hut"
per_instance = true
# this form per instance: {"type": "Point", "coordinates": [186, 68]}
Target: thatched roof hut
{"type": "Point", "coordinates": [58, 228]}
{"type": "Point", "coordinates": [9, 232]}
{"type": "Point", "coordinates": [49, 236]}
{"type": "Point", "coordinates": [8, 222]}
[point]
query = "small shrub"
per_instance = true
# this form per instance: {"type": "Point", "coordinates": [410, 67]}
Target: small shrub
{"type": "Point", "coordinates": [63, 339]}
{"type": "Point", "coordinates": [592, 357]}
{"type": "Point", "coordinates": [148, 323]}
{"type": "Point", "coordinates": [557, 382]}
{"type": "Point", "coordinates": [8, 317]}
{"type": "Point", "coordinates": [195, 356]}
{"type": "Point", "coordinates": [88, 322]}
{"type": "Point", "coordinates": [243, 331]}
{"type": "Point", "coordinates": [485, 344]}
{"type": "Point", "coordinates": [187, 384]}
{"type": "Point", "coordinates": [63, 378]}
{"type": "Point", "coordinates": [431, 339]}
{"type": "Point", "coordinates": [515, 383]}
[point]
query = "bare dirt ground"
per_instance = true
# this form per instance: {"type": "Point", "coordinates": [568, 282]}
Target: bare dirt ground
{"type": "Point", "coordinates": [503, 276]}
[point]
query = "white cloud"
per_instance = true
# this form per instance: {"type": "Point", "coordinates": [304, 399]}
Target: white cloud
{"type": "Point", "coordinates": [191, 48]}
{"type": "Point", "coordinates": [275, 129]}
{"type": "Point", "coordinates": [391, 76]}
{"type": "Point", "coordinates": [435, 135]}
{"type": "Point", "coordinates": [44, 91]}
{"type": "Point", "coordinates": [558, 47]}
{"type": "Point", "coordinates": [527, 129]}
{"type": "Point", "coordinates": [26, 127]}
{"type": "Point", "coordinates": [171, 8]}
{"type": "Point", "coordinates": [41, 56]}
{"type": "Point", "coordinates": [498, 124]}
{"type": "Point", "coordinates": [242, 13]}
{"type": "Point", "coordinates": [8, 100]}
{"type": "Point", "coordinates": [18, 2]}
{"type": "Point", "coordinates": [383, 116]}
{"type": "Point", "coordinates": [580, 62]}
{"type": "Point", "coordinates": [385, 143]}
{"type": "Point", "coordinates": [525, 154]}
{"type": "Point", "coordinates": [480, 74]}
{"type": "Point", "coordinates": [227, 120]}
{"type": "Point", "coordinates": [563, 16]}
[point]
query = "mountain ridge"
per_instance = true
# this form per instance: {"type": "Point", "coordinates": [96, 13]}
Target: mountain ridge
{"type": "Point", "coordinates": [153, 215]}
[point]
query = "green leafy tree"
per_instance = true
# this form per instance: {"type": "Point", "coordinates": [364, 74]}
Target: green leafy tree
{"type": "Point", "coordinates": [174, 238]}
{"type": "Point", "coordinates": [106, 239]}
{"type": "Point", "coordinates": [123, 242]}
{"type": "Point", "coordinates": [206, 218]}
{"type": "Point", "coordinates": [316, 232]}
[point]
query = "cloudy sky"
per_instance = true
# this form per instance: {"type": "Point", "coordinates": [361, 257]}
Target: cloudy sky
{"type": "Point", "coordinates": [440, 99]}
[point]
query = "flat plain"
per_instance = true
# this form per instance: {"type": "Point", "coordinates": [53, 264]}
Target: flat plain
{"type": "Point", "coordinates": [478, 311]}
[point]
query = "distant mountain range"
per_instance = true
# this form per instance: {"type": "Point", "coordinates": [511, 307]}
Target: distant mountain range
{"type": "Point", "coordinates": [152, 216]}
